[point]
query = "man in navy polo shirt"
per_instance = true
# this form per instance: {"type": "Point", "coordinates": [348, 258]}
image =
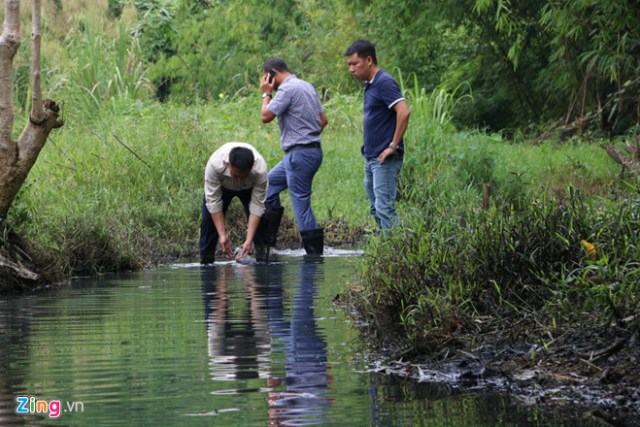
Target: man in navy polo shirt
{"type": "Point", "coordinates": [386, 116]}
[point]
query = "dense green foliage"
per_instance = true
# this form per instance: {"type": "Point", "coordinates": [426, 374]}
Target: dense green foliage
{"type": "Point", "coordinates": [452, 265]}
{"type": "Point", "coordinates": [525, 64]}
{"type": "Point", "coordinates": [213, 50]}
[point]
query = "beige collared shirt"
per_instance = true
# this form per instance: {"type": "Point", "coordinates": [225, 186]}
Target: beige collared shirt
{"type": "Point", "coordinates": [217, 176]}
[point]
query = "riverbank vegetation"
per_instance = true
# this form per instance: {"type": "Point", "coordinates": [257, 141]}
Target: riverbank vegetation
{"type": "Point", "coordinates": [503, 229]}
{"type": "Point", "coordinates": [512, 212]}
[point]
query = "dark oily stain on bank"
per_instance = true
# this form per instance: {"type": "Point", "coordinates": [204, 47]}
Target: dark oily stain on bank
{"type": "Point", "coordinates": [597, 372]}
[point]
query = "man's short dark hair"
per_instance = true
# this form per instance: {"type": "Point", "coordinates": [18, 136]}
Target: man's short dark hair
{"type": "Point", "coordinates": [241, 158]}
{"type": "Point", "coordinates": [276, 64]}
{"type": "Point", "coordinates": [363, 48]}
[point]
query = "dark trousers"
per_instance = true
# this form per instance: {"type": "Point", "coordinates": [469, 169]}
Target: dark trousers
{"type": "Point", "coordinates": [209, 233]}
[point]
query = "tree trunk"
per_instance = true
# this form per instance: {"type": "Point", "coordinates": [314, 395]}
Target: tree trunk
{"type": "Point", "coordinates": [18, 157]}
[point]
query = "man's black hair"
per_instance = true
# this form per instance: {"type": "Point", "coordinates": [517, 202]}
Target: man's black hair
{"type": "Point", "coordinates": [363, 48]}
{"type": "Point", "coordinates": [276, 64]}
{"type": "Point", "coordinates": [241, 158]}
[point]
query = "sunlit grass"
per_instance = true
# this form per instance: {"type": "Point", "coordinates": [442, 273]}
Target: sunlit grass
{"type": "Point", "coordinates": [137, 176]}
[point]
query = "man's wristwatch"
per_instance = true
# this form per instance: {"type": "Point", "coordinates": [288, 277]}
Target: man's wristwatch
{"type": "Point", "coordinates": [265, 95]}
{"type": "Point", "coordinates": [393, 147]}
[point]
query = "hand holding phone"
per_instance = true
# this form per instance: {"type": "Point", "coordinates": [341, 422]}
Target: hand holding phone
{"type": "Point", "coordinates": [272, 74]}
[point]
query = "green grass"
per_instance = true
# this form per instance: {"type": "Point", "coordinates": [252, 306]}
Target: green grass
{"type": "Point", "coordinates": [519, 258]}
{"type": "Point", "coordinates": [131, 181]}
{"type": "Point", "coordinates": [130, 178]}
{"type": "Point", "coordinates": [451, 263]}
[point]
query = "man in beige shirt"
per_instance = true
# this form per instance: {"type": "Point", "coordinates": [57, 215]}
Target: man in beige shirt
{"type": "Point", "coordinates": [236, 169]}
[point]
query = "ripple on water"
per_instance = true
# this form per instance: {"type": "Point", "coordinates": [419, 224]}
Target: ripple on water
{"type": "Point", "coordinates": [226, 344]}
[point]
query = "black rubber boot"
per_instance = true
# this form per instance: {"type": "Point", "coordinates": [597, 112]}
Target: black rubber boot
{"type": "Point", "coordinates": [273, 217]}
{"type": "Point", "coordinates": [207, 259]}
{"type": "Point", "coordinates": [208, 237]}
{"type": "Point", "coordinates": [313, 241]}
{"type": "Point", "coordinates": [261, 252]}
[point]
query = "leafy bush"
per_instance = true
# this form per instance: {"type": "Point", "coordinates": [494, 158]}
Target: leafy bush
{"type": "Point", "coordinates": [452, 263]}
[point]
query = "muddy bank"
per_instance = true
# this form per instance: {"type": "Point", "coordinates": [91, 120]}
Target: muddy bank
{"type": "Point", "coordinates": [592, 368]}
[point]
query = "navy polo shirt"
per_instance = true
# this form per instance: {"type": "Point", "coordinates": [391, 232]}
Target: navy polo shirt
{"type": "Point", "coordinates": [380, 96]}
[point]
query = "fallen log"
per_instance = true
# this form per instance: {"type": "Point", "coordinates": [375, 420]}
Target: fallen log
{"type": "Point", "coordinates": [19, 270]}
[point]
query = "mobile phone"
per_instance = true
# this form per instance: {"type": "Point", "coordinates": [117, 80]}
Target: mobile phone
{"type": "Point", "coordinates": [272, 74]}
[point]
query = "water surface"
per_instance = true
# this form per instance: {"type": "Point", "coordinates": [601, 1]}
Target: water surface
{"type": "Point", "coordinates": [223, 345]}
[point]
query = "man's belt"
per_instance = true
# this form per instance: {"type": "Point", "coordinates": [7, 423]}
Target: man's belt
{"type": "Point", "coordinates": [299, 146]}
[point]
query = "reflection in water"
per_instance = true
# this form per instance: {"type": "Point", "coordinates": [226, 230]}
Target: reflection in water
{"type": "Point", "coordinates": [255, 330]}
{"type": "Point", "coordinates": [236, 320]}
{"type": "Point", "coordinates": [306, 378]}
{"type": "Point", "coordinates": [13, 347]}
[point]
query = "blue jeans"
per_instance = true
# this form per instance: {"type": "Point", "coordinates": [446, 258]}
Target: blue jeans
{"type": "Point", "coordinates": [381, 183]}
{"type": "Point", "coordinates": [295, 172]}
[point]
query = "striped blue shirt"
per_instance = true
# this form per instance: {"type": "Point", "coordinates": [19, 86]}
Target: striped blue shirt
{"type": "Point", "coordinates": [297, 106]}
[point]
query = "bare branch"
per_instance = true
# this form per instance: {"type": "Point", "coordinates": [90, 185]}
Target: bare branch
{"type": "Point", "coordinates": [9, 44]}
{"type": "Point", "coordinates": [131, 151]}
{"type": "Point", "coordinates": [20, 270]}
{"type": "Point", "coordinates": [37, 110]}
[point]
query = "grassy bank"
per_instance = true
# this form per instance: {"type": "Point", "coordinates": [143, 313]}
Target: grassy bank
{"type": "Point", "coordinates": [124, 189]}
{"type": "Point", "coordinates": [547, 286]}
{"type": "Point", "coordinates": [120, 185]}
{"type": "Point", "coordinates": [449, 267]}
